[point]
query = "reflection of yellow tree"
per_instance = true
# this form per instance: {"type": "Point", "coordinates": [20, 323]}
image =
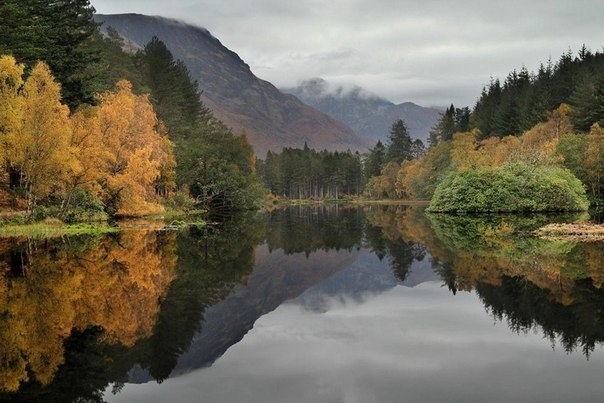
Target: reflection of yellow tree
{"type": "Point", "coordinates": [485, 253]}
{"type": "Point", "coordinates": [482, 252]}
{"type": "Point", "coordinates": [594, 262]}
{"type": "Point", "coordinates": [116, 284]}
{"type": "Point", "coordinates": [124, 284]}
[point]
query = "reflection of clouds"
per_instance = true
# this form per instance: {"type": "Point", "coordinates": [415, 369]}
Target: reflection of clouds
{"type": "Point", "coordinates": [404, 345]}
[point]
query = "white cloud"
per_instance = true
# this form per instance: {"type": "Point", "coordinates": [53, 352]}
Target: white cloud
{"type": "Point", "coordinates": [450, 47]}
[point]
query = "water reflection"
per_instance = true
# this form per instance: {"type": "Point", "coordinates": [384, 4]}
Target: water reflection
{"type": "Point", "coordinates": [90, 312]}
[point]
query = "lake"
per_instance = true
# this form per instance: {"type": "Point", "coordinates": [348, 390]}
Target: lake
{"type": "Point", "coordinates": [305, 304]}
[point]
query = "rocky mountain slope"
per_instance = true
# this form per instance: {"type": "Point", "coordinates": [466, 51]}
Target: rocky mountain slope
{"type": "Point", "coordinates": [367, 114]}
{"type": "Point", "coordinates": [271, 118]}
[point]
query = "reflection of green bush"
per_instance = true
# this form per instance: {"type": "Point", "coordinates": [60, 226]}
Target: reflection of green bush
{"type": "Point", "coordinates": [513, 187]}
{"type": "Point", "coordinates": [497, 235]}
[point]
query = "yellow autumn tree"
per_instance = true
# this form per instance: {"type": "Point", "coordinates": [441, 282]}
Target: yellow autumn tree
{"type": "Point", "coordinates": [594, 160]}
{"type": "Point", "coordinates": [11, 109]}
{"type": "Point", "coordinates": [123, 157]}
{"type": "Point", "coordinates": [135, 151]}
{"type": "Point", "coordinates": [41, 151]}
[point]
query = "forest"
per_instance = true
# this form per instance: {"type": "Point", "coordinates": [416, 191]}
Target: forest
{"type": "Point", "coordinates": [88, 130]}
{"type": "Point", "coordinates": [533, 143]}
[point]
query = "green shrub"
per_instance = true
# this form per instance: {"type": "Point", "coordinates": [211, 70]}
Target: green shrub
{"type": "Point", "coordinates": [513, 187]}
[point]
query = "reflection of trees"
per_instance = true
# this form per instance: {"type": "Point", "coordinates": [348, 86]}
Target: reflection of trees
{"type": "Point", "coordinates": [113, 282]}
{"type": "Point", "coordinates": [524, 305]}
{"type": "Point", "coordinates": [389, 234]}
{"type": "Point", "coordinates": [526, 280]}
{"type": "Point", "coordinates": [211, 261]}
{"type": "Point", "coordinates": [311, 228]}
{"type": "Point", "coordinates": [106, 305]}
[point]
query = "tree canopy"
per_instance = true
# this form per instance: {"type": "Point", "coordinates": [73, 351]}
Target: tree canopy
{"type": "Point", "coordinates": [58, 33]}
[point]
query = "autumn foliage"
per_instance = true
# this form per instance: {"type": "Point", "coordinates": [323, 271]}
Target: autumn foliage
{"type": "Point", "coordinates": [502, 174]}
{"type": "Point", "coordinates": [112, 153]}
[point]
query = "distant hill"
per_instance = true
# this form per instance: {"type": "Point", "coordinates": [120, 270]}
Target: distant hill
{"type": "Point", "coordinates": [367, 114]}
{"type": "Point", "coordinates": [235, 95]}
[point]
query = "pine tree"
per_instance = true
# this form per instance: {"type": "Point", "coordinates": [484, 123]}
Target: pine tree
{"type": "Point", "coordinates": [58, 33]}
{"type": "Point", "coordinates": [375, 160]}
{"type": "Point", "coordinates": [444, 129]}
{"type": "Point", "coordinates": [175, 96]}
{"type": "Point", "coordinates": [399, 143]}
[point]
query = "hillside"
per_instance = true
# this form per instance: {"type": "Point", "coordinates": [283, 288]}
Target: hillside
{"type": "Point", "coordinates": [235, 95]}
{"type": "Point", "coordinates": [367, 114]}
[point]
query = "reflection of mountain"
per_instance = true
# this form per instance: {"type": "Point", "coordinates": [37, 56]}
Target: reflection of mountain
{"type": "Point", "coordinates": [276, 278]}
{"type": "Point", "coordinates": [369, 275]}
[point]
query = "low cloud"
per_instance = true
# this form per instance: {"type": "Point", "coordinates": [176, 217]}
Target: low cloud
{"type": "Point", "coordinates": [392, 48]}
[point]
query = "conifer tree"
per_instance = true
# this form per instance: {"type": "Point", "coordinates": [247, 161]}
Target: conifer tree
{"type": "Point", "coordinates": [58, 33]}
{"type": "Point", "coordinates": [375, 160]}
{"type": "Point", "coordinates": [399, 143]}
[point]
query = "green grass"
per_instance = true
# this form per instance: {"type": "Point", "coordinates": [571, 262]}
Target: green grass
{"type": "Point", "coordinates": [50, 230]}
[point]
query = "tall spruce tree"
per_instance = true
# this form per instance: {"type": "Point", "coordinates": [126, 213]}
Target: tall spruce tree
{"type": "Point", "coordinates": [398, 148]}
{"type": "Point", "coordinates": [56, 32]}
{"type": "Point", "coordinates": [375, 160]}
{"type": "Point", "coordinates": [175, 96]}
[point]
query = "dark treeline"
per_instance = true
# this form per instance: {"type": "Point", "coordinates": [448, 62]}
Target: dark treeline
{"type": "Point", "coordinates": [576, 326]}
{"type": "Point", "coordinates": [525, 98]}
{"type": "Point", "coordinates": [307, 173]}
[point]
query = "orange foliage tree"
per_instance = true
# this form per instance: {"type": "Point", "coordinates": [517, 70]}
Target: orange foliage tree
{"type": "Point", "coordinates": [116, 151]}
{"type": "Point", "coordinates": [127, 153]}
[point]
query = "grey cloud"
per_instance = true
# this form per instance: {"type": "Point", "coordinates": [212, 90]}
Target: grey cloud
{"type": "Point", "coordinates": [393, 45]}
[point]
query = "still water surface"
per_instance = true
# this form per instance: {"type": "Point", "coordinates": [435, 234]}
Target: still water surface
{"type": "Point", "coordinates": [382, 304]}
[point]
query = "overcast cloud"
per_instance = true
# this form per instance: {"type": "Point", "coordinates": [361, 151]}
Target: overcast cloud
{"type": "Point", "coordinates": [431, 52]}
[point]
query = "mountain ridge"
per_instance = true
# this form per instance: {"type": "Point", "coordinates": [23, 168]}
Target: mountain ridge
{"type": "Point", "coordinates": [368, 114]}
{"type": "Point", "coordinates": [271, 119]}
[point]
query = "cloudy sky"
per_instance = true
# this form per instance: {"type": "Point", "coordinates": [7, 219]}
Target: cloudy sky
{"type": "Point", "coordinates": [431, 52]}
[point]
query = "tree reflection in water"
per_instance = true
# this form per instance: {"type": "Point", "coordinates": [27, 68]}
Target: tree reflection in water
{"type": "Point", "coordinates": [79, 314]}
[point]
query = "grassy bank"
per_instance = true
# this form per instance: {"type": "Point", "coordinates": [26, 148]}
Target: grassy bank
{"type": "Point", "coordinates": [52, 228]}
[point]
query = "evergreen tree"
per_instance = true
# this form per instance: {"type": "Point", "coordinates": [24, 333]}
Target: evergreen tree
{"type": "Point", "coordinates": [399, 143]}
{"type": "Point", "coordinates": [484, 112]}
{"type": "Point", "coordinates": [462, 119]}
{"type": "Point", "coordinates": [375, 160]}
{"type": "Point", "coordinates": [444, 129]}
{"type": "Point", "coordinates": [58, 33]}
{"type": "Point", "coordinates": [418, 149]}
{"type": "Point", "coordinates": [217, 167]}
{"type": "Point", "coordinates": [175, 96]}
{"type": "Point", "coordinates": [525, 98]}
{"type": "Point", "coordinates": [116, 64]}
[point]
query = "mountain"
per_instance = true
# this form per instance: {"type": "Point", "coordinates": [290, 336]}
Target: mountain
{"type": "Point", "coordinates": [235, 95]}
{"type": "Point", "coordinates": [367, 114]}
